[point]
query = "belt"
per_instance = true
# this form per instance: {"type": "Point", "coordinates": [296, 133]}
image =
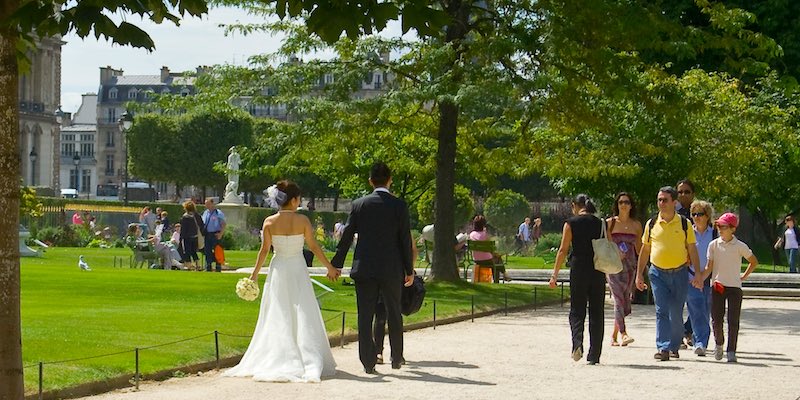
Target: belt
{"type": "Point", "coordinates": [669, 270]}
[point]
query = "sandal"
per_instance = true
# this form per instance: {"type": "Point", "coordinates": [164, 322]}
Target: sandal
{"type": "Point", "coordinates": [614, 343]}
{"type": "Point", "coordinates": [626, 340]}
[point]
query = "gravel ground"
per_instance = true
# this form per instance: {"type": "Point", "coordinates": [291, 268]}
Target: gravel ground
{"type": "Point", "coordinates": [526, 355]}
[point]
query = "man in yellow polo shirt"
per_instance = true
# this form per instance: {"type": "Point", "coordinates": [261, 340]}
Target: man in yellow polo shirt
{"type": "Point", "coordinates": [669, 247]}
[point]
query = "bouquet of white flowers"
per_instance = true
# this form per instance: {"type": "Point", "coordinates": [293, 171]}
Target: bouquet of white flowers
{"type": "Point", "coordinates": [246, 289]}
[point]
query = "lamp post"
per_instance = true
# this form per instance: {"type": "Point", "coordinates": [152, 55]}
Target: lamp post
{"type": "Point", "coordinates": [76, 159]}
{"type": "Point", "coordinates": [33, 156]}
{"type": "Point", "coordinates": [125, 123]}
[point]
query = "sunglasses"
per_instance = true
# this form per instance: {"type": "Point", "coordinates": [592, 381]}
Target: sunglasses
{"type": "Point", "coordinates": [699, 214]}
{"type": "Point", "coordinates": [684, 192]}
{"type": "Point", "coordinates": [621, 202]}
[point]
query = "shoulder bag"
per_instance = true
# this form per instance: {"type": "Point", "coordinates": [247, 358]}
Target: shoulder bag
{"type": "Point", "coordinates": [201, 241]}
{"type": "Point", "coordinates": [606, 253]}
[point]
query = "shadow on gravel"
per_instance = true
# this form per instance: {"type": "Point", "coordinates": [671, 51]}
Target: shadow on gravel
{"type": "Point", "coordinates": [770, 318]}
{"type": "Point", "coordinates": [440, 364]}
{"type": "Point", "coordinates": [426, 377]}
{"type": "Point", "coordinates": [342, 375]}
{"type": "Point", "coordinates": [647, 367]}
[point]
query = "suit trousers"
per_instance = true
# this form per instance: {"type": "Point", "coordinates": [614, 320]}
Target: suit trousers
{"type": "Point", "coordinates": [367, 292]}
{"type": "Point", "coordinates": [587, 287]}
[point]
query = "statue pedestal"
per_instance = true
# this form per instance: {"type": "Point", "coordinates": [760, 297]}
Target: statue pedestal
{"type": "Point", "coordinates": [235, 214]}
{"type": "Point", "coordinates": [24, 250]}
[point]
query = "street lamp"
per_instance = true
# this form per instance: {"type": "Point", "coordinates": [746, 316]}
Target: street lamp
{"type": "Point", "coordinates": [125, 123]}
{"type": "Point", "coordinates": [76, 159]}
{"type": "Point", "coordinates": [33, 156]}
{"type": "Point", "coordinates": [59, 115]}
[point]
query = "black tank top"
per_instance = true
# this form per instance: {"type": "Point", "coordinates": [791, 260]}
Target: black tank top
{"type": "Point", "coordinates": [584, 229]}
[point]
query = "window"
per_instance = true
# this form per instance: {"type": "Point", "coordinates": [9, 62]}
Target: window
{"type": "Point", "coordinates": [378, 83]}
{"type": "Point", "coordinates": [165, 91]}
{"type": "Point", "coordinates": [87, 150]}
{"type": "Point", "coordinates": [112, 115]}
{"type": "Point", "coordinates": [73, 182]}
{"type": "Point", "coordinates": [86, 181]}
{"type": "Point", "coordinates": [109, 165]}
{"type": "Point", "coordinates": [184, 92]}
{"type": "Point", "coordinates": [132, 94]}
{"type": "Point", "coordinates": [328, 79]}
{"type": "Point", "coordinates": [112, 94]}
{"type": "Point", "coordinates": [110, 139]}
{"type": "Point", "coordinates": [68, 149]}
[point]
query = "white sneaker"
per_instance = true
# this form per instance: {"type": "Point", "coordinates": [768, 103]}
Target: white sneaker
{"type": "Point", "coordinates": [731, 356]}
{"type": "Point", "coordinates": [718, 353]}
{"type": "Point", "coordinates": [700, 351]}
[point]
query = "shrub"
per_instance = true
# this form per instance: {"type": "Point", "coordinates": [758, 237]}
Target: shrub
{"type": "Point", "coordinates": [464, 206]}
{"type": "Point", "coordinates": [505, 210]}
{"type": "Point", "coordinates": [237, 239]}
{"type": "Point", "coordinates": [548, 242]}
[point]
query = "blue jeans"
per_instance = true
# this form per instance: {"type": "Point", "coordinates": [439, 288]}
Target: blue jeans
{"type": "Point", "coordinates": [669, 290]}
{"type": "Point", "coordinates": [698, 301]}
{"type": "Point", "coordinates": [210, 243]}
{"type": "Point", "coordinates": [791, 254]}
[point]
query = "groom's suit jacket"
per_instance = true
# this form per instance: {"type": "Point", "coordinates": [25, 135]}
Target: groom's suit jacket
{"type": "Point", "coordinates": [383, 250]}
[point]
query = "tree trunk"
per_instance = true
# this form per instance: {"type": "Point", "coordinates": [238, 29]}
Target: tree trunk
{"type": "Point", "coordinates": [336, 201]}
{"type": "Point", "coordinates": [444, 254]}
{"type": "Point", "coordinates": [11, 382]}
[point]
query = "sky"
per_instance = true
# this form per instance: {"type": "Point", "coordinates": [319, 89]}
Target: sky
{"type": "Point", "coordinates": [196, 42]}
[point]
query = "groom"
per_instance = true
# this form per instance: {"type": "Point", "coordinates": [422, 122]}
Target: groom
{"type": "Point", "coordinates": [381, 264]}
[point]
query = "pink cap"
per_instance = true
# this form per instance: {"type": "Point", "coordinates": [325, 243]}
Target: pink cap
{"type": "Point", "coordinates": [729, 219]}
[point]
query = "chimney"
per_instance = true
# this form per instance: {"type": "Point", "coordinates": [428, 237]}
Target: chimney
{"type": "Point", "coordinates": [106, 73]}
{"type": "Point", "coordinates": [164, 74]}
{"type": "Point", "coordinates": [203, 69]}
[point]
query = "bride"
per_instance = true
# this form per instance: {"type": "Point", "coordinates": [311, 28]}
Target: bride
{"type": "Point", "coordinates": [289, 343]}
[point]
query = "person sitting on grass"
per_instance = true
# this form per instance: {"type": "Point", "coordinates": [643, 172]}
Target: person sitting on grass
{"type": "Point", "coordinates": [725, 255]}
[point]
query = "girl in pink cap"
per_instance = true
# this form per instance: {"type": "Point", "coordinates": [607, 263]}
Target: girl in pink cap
{"type": "Point", "coordinates": [725, 255]}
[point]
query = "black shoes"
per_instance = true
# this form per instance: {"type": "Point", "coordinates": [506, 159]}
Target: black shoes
{"type": "Point", "coordinates": [662, 356]}
{"type": "Point", "coordinates": [370, 370]}
{"type": "Point", "coordinates": [398, 363]}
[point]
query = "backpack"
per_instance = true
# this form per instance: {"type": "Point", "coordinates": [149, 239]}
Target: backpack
{"type": "Point", "coordinates": [652, 222]}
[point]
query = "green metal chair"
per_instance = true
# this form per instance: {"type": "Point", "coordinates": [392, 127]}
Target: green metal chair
{"type": "Point", "coordinates": [497, 264]}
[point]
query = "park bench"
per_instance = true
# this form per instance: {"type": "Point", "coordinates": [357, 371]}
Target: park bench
{"type": "Point", "coordinates": [427, 258]}
{"type": "Point", "coordinates": [497, 264]}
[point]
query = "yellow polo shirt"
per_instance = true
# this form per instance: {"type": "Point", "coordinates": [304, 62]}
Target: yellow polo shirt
{"type": "Point", "coordinates": [668, 242]}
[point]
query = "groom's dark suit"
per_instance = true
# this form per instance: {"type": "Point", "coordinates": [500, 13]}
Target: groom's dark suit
{"type": "Point", "coordinates": [381, 261]}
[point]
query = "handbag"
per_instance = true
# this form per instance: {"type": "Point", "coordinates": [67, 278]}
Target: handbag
{"type": "Point", "coordinates": [779, 244]}
{"type": "Point", "coordinates": [201, 240]}
{"type": "Point", "coordinates": [413, 296]}
{"type": "Point", "coordinates": [606, 253]}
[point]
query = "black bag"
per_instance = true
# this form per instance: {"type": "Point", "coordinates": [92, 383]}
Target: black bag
{"type": "Point", "coordinates": [413, 296]}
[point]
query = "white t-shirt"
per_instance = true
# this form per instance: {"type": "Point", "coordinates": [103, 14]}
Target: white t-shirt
{"type": "Point", "coordinates": [727, 257]}
{"type": "Point", "coordinates": [791, 239]}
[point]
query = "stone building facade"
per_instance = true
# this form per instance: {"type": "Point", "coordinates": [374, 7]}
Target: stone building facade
{"type": "Point", "coordinates": [39, 132]}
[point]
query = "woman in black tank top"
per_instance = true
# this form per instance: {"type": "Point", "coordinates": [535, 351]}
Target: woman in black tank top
{"type": "Point", "coordinates": [586, 285]}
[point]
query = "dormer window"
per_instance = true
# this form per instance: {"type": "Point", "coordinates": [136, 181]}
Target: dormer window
{"type": "Point", "coordinates": [132, 94]}
{"type": "Point", "coordinates": [164, 91]}
{"type": "Point", "coordinates": [184, 92]}
{"type": "Point", "coordinates": [112, 93]}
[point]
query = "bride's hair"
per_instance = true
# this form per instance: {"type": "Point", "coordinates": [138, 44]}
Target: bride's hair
{"type": "Point", "coordinates": [290, 188]}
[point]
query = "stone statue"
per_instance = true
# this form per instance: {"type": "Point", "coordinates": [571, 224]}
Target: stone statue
{"type": "Point", "coordinates": [232, 188]}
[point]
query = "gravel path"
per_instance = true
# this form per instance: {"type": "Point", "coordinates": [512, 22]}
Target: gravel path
{"type": "Point", "coordinates": [525, 355]}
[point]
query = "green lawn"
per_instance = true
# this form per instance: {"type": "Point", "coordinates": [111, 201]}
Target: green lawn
{"type": "Point", "coordinates": [69, 314]}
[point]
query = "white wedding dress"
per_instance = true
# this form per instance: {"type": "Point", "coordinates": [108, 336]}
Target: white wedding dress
{"type": "Point", "coordinates": [290, 343]}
